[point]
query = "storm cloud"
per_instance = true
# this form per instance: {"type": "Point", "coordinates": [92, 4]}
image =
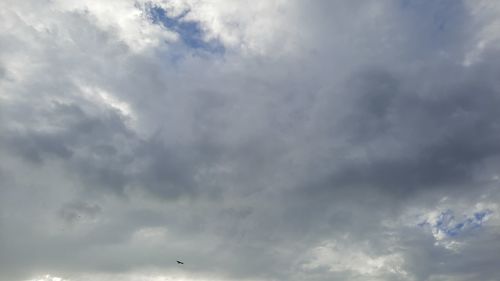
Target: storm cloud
{"type": "Point", "coordinates": [283, 140]}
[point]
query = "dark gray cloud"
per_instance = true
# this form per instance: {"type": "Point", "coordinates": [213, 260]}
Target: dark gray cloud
{"type": "Point", "coordinates": [357, 142]}
{"type": "Point", "coordinates": [410, 137]}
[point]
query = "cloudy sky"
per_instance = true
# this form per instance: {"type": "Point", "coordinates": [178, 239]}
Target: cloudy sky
{"type": "Point", "coordinates": [258, 140]}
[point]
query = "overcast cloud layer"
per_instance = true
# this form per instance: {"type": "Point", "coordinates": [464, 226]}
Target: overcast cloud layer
{"type": "Point", "coordinates": [271, 140]}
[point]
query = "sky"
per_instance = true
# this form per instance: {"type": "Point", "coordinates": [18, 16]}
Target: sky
{"type": "Point", "coordinates": [263, 140]}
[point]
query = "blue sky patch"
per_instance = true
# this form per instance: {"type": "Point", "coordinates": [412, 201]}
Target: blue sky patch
{"type": "Point", "coordinates": [190, 32]}
{"type": "Point", "coordinates": [452, 226]}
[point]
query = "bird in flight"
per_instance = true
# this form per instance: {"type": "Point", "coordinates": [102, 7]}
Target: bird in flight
{"type": "Point", "coordinates": [179, 262]}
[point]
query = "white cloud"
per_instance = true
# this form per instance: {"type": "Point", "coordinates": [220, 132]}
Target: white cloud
{"type": "Point", "coordinates": [240, 27]}
{"type": "Point", "coordinates": [486, 32]}
{"type": "Point", "coordinates": [49, 278]}
{"type": "Point", "coordinates": [349, 256]}
{"type": "Point", "coordinates": [128, 18]}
